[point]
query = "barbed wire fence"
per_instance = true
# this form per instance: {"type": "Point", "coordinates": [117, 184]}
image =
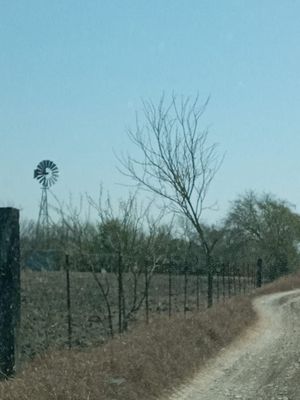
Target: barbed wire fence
{"type": "Point", "coordinates": [63, 307]}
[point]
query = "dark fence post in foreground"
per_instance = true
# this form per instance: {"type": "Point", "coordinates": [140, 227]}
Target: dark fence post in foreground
{"type": "Point", "coordinates": [9, 289]}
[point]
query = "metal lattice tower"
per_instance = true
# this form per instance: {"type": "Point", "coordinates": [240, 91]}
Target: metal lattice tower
{"type": "Point", "coordinates": [46, 174]}
{"type": "Point", "coordinates": [43, 219]}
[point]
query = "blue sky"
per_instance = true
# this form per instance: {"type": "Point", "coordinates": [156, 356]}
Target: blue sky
{"type": "Point", "coordinates": [73, 73]}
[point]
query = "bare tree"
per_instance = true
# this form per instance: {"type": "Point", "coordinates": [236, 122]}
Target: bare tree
{"type": "Point", "coordinates": [132, 252]}
{"type": "Point", "coordinates": [176, 163]}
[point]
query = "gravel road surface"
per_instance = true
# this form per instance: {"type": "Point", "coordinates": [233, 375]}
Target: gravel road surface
{"type": "Point", "coordinates": [264, 364]}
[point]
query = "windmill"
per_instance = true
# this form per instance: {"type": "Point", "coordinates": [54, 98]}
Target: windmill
{"type": "Point", "coordinates": [46, 173]}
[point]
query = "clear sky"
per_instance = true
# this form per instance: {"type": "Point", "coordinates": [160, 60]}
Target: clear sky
{"type": "Point", "coordinates": [73, 72]}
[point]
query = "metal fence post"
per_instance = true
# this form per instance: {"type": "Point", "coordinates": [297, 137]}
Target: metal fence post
{"type": "Point", "coordinates": [259, 273]}
{"type": "Point", "coordinates": [67, 265]}
{"type": "Point", "coordinates": [170, 288]}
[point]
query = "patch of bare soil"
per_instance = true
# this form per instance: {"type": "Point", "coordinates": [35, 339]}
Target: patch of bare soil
{"type": "Point", "coordinates": [263, 364]}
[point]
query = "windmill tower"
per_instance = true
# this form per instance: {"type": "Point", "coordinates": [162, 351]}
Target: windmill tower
{"type": "Point", "coordinates": [46, 174]}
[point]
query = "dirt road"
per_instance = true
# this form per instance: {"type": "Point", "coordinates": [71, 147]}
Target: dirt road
{"type": "Point", "coordinates": [262, 365]}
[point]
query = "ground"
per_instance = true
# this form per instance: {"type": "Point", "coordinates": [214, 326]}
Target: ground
{"type": "Point", "coordinates": [44, 306]}
{"type": "Point", "coordinates": [263, 364]}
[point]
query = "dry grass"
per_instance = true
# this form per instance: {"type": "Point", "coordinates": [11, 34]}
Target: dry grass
{"type": "Point", "coordinates": [282, 284]}
{"type": "Point", "coordinates": [139, 365]}
{"type": "Point", "coordinates": [142, 364]}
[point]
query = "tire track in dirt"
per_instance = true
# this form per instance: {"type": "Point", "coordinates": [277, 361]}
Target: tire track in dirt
{"type": "Point", "coordinates": [263, 364]}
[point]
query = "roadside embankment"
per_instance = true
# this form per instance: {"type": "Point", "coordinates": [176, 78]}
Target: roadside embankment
{"type": "Point", "coordinates": [147, 363]}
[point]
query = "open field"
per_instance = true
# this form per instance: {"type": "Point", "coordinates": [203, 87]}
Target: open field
{"type": "Point", "coordinates": [44, 306]}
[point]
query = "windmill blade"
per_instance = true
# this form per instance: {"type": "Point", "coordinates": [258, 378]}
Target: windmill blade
{"type": "Point", "coordinates": [46, 173]}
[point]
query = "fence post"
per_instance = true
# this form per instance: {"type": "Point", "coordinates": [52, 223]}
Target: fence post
{"type": "Point", "coordinates": [223, 282]}
{"type": "Point", "coordinates": [68, 301]}
{"type": "Point", "coordinates": [244, 278]}
{"type": "Point", "coordinates": [234, 273]}
{"type": "Point", "coordinates": [170, 288]}
{"type": "Point", "coordinates": [210, 285]}
{"type": "Point", "coordinates": [248, 278]}
{"type": "Point", "coordinates": [218, 284]}
{"type": "Point", "coordinates": [185, 289]}
{"type": "Point", "coordinates": [146, 291]}
{"type": "Point", "coordinates": [228, 280]}
{"type": "Point", "coordinates": [198, 289]}
{"type": "Point", "coordinates": [253, 277]}
{"type": "Point", "coordinates": [239, 279]}
{"type": "Point", "coordinates": [259, 273]}
{"type": "Point", "coordinates": [9, 290]}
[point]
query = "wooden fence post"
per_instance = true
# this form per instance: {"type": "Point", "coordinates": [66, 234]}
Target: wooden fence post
{"type": "Point", "coordinates": [9, 290]}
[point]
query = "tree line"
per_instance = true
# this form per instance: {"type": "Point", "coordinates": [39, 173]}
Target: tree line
{"type": "Point", "coordinates": [256, 226]}
{"type": "Point", "coordinates": [176, 163]}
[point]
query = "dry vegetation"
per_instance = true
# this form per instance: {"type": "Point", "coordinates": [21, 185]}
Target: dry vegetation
{"type": "Point", "coordinates": [141, 364]}
{"type": "Point", "coordinates": [284, 283]}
